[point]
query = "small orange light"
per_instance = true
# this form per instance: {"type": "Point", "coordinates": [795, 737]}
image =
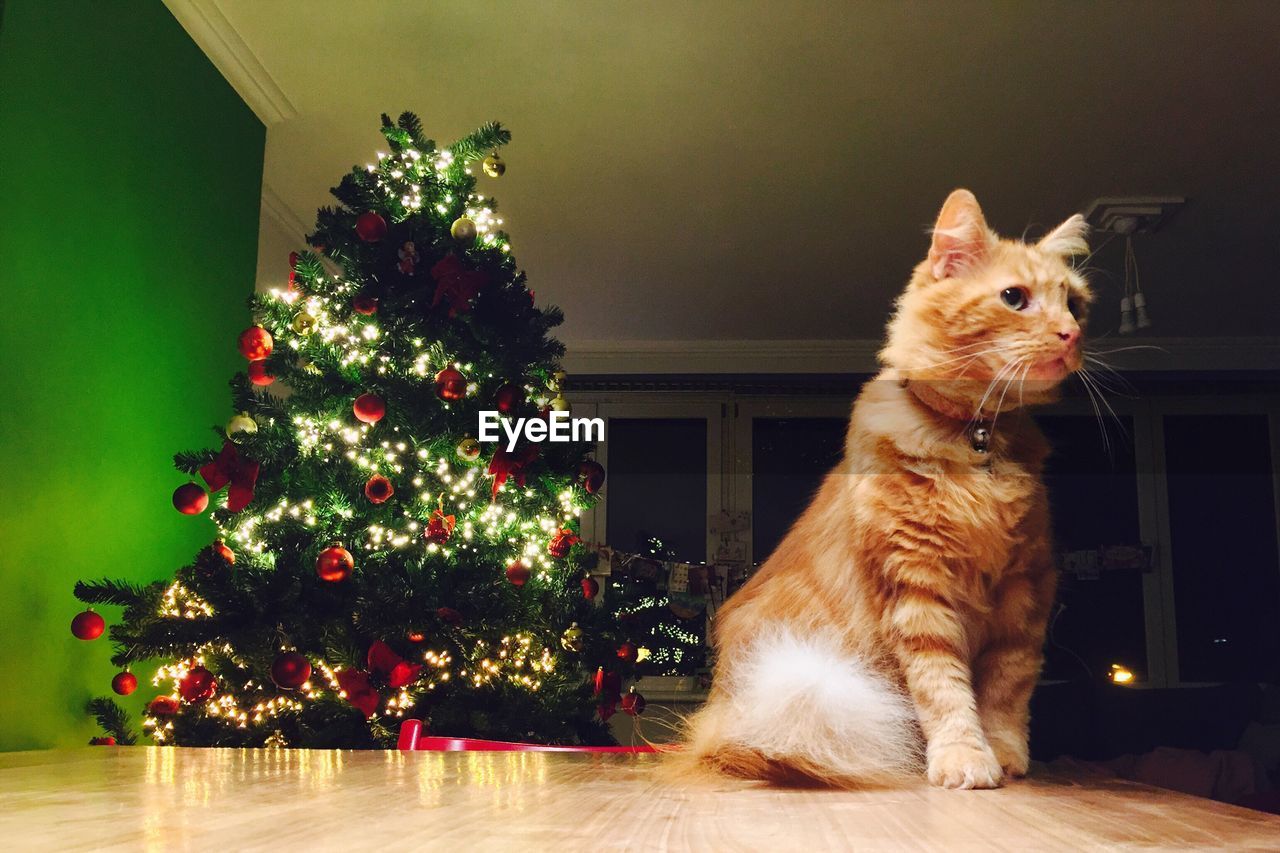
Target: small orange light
{"type": "Point", "coordinates": [1120, 674]}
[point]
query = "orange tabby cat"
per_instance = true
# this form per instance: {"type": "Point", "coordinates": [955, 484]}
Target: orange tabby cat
{"type": "Point", "coordinates": [900, 622]}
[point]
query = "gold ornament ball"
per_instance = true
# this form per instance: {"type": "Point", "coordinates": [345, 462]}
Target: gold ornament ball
{"type": "Point", "coordinates": [560, 404]}
{"type": "Point", "coordinates": [469, 449]}
{"type": "Point", "coordinates": [463, 230]}
{"type": "Point", "coordinates": [304, 323]}
{"type": "Point", "coordinates": [493, 166]}
{"type": "Point", "coordinates": [241, 423]}
{"type": "Point", "coordinates": [571, 639]}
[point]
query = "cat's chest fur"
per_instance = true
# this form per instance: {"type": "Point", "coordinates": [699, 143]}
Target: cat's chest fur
{"type": "Point", "coordinates": [987, 506]}
{"type": "Point", "coordinates": [967, 513]}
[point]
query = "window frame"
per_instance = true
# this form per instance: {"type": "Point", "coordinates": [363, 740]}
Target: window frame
{"type": "Point", "coordinates": [730, 415]}
{"type": "Point", "coordinates": [644, 405]}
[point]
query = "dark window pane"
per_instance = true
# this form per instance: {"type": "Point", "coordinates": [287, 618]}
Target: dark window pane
{"type": "Point", "coordinates": [1223, 522]}
{"type": "Point", "coordinates": [1093, 497]}
{"type": "Point", "coordinates": [657, 484]}
{"type": "Point", "coordinates": [789, 458]}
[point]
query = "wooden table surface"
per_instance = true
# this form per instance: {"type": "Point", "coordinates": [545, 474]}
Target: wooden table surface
{"type": "Point", "coordinates": [174, 799]}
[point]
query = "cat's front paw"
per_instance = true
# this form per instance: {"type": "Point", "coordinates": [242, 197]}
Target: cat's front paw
{"type": "Point", "coordinates": [1011, 751]}
{"type": "Point", "coordinates": [963, 766]}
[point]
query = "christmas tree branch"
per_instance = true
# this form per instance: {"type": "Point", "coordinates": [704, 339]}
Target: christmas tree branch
{"type": "Point", "coordinates": [108, 591]}
{"type": "Point", "coordinates": [113, 719]}
{"type": "Point", "coordinates": [480, 142]}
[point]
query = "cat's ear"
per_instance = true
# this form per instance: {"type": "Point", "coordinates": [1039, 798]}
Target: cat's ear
{"type": "Point", "coordinates": [1067, 239]}
{"type": "Point", "coordinates": [961, 239]}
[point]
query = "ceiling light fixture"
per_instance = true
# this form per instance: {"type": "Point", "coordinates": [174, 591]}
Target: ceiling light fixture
{"type": "Point", "coordinates": [1124, 217]}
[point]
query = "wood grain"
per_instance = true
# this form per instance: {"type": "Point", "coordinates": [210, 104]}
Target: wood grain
{"type": "Point", "coordinates": [204, 799]}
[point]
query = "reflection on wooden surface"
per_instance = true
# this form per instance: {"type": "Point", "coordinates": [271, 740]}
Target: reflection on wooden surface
{"type": "Point", "coordinates": [172, 799]}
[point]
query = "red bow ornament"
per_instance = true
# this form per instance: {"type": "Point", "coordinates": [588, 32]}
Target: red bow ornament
{"type": "Point", "coordinates": [561, 542]}
{"type": "Point", "coordinates": [511, 464]}
{"type": "Point", "coordinates": [456, 284]}
{"type": "Point", "coordinates": [385, 662]}
{"type": "Point", "coordinates": [229, 467]}
{"type": "Point", "coordinates": [359, 692]}
{"type": "Point", "coordinates": [439, 527]}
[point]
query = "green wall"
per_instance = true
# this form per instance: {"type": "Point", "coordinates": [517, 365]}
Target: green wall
{"type": "Point", "coordinates": [130, 176]}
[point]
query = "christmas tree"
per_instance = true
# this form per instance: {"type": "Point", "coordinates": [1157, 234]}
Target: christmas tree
{"type": "Point", "coordinates": [371, 559]}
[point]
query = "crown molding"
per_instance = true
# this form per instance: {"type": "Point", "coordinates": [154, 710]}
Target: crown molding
{"type": "Point", "coordinates": [215, 35]}
{"type": "Point", "coordinates": [274, 208]}
{"type": "Point", "coordinates": [720, 356]}
{"type": "Point", "coordinates": [586, 358]}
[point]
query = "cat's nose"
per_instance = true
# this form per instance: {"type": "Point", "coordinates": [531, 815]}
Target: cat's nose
{"type": "Point", "coordinates": [1069, 336]}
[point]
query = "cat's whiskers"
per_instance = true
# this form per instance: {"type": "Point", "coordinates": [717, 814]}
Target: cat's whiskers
{"type": "Point", "coordinates": [1092, 385]}
{"type": "Point", "coordinates": [1008, 367]}
{"type": "Point", "coordinates": [1102, 426]}
{"type": "Point", "coordinates": [1124, 386]}
{"type": "Point", "coordinates": [1131, 348]}
{"type": "Point", "coordinates": [1022, 382]}
{"type": "Point", "coordinates": [1026, 363]}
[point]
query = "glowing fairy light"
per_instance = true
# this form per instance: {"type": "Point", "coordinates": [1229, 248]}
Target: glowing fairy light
{"type": "Point", "coordinates": [180, 602]}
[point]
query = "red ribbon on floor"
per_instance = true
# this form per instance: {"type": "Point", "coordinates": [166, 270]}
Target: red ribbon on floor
{"type": "Point", "coordinates": [412, 739]}
{"type": "Point", "coordinates": [229, 467]}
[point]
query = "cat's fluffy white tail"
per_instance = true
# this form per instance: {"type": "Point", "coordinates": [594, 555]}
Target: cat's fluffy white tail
{"type": "Point", "coordinates": [794, 705]}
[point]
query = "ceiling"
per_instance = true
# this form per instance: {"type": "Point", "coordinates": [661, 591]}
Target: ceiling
{"type": "Point", "coordinates": [725, 170]}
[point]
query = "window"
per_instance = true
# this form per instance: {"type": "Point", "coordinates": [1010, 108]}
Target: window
{"type": "Point", "coordinates": [1093, 496]}
{"type": "Point", "coordinates": [1222, 524]}
{"type": "Point", "coordinates": [789, 458]}
{"type": "Point", "coordinates": [1194, 480]}
{"type": "Point", "coordinates": [657, 484]}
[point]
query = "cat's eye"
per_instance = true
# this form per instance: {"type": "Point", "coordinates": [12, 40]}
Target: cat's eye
{"type": "Point", "coordinates": [1015, 297]}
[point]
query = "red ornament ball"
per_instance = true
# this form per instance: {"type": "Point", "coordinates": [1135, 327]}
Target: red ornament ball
{"type": "Point", "coordinates": [255, 343]}
{"type": "Point", "coordinates": [451, 384]}
{"type": "Point", "coordinates": [449, 616]}
{"type": "Point", "coordinates": [518, 573]}
{"type": "Point", "coordinates": [107, 740]}
{"type": "Point", "coordinates": [591, 476]}
{"type": "Point", "coordinates": [627, 652]}
{"type": "Point", "coordinates": [590, 588]}
{"type": "Point", "coordinates": [370, 227]}
{"type": "Point", "coordinates": [162, 706]}
{"type": "Point", "coordinates": [88, 625]}
{"type": "Point", "coordinates": [334, 564]}
{"type": "Point", "coordinates": [190, 499]}
{"type": "Point", "coordinates": [507, 398]}
{"type": "Point", "coordinates": [258, 374]}
{"type": "Point", "coordinates": [366, 305]}
{"type": "Point", "coordinates": [369, 408]}
{"type": "Point", "coordinates": [290, 670]}
{"type": "Point", "coordinates": [633, 703]}
{"type": "Point", "coordinates": [378, 489]}
{"type": "Point", "coordinates": [124, 683]}
{"type": "Point", "coordinates": [220, 548]}
{"type": "Point", "coordinates": [198, 685]}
